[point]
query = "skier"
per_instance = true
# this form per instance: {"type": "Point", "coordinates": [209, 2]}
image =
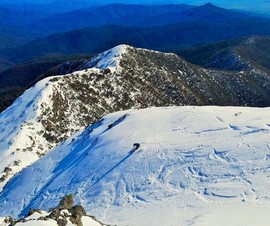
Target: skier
{"type": "Point", "coordinates": [136, 145]}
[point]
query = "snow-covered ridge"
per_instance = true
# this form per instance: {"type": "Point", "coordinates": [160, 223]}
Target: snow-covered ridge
{"type": "Point", "coordinates": [58, 106]}
{"type": "Point", "coordinates": [109, 59]}
{"type": "Point", "coordinates": [194, 164]}
{"type": "Point", "coordinates": [27, 128]}
{"type": "Point", "coordinates": [18, 131]}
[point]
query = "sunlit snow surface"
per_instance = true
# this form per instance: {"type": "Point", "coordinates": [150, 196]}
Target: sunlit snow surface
{"type": "Point", "coordinates": [109, 59]}
{"type": "Point", "coordinates": [196, 166]}
{"type": "Point", "coordinates": [22, 138]}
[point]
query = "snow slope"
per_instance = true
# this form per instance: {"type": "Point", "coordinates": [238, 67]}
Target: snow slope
{"type": "Point", "coordinates": [47, 114]}
{"type": "Point", "coordinates": [121, 78]}
{"type": "Point", "coordinates": [57, 107]}
{"type": "Point", "coordinates": [195, 166]}
{"type": "Point", "coordinates": [109, 59]}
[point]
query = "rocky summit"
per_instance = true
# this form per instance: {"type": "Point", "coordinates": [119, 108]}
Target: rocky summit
{"type": "Point", "coordinates": [66, 213]}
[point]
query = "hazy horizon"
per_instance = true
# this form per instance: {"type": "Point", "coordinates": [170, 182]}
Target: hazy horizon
{"type": "Point", "coordinates": [253, 6]}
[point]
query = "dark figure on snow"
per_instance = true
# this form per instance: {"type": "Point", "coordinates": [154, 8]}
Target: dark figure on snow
{"type": "Point", "coordinates": [136, 145]}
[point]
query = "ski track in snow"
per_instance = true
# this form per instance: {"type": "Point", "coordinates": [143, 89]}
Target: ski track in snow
{"type": "Point", "coordinates": [192, 161]}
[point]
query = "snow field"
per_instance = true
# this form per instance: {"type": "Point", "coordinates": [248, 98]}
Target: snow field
{"type": "Point", "coordinates": [195, 166]}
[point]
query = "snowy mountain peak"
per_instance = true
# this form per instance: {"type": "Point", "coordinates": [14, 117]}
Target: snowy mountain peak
{"type": "Point", "coordinates": [109, 59]}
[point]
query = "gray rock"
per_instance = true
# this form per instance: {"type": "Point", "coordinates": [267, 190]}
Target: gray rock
{"type": "Point", "coordinates": [67, 202]}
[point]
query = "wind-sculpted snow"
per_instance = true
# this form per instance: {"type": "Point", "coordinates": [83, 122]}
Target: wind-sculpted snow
{"type": "Point", "coordinates": [195, 166]}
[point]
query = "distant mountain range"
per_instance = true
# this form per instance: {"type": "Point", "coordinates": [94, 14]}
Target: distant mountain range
{"type": "Point", "coordinates": [114, 14]}
{"type": "Point", "coordinates": [50, 8]}
{"type": "Point", "coordinates": [135, 16]}
{"type": "Point", "coordinates": [166, 38]}
{"type": "Point", "coordinates": [162, 27]}
{"type": "Point", "coordinates": [238, 54]}
{"type": "Point", "coordinates": [168, 28]}
{"type": "Point", "coordinates": [32, 23]}
{"type": "Point", "coordinates": [13, 17]}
